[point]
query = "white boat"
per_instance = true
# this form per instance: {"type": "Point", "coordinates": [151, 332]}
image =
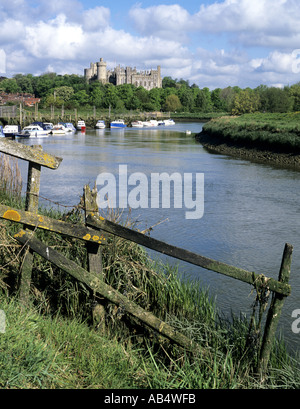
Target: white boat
{"type": "Point", "coordinates": [153, 122]}
{"type": "Point", "coordinates": [146, 123]}
{"type": "Point", "coordinates": [59, 129]}
{"type": "Point", "coordinates": [69, 127]}
{"type": "Point", "coordinates": [169, 122]}
{"type": "Point", "coordinates": [137, 124]}
{"type": "Point", "coordinates": [32, 131]}
{"type": "Point", "coordinates": [11, 130]}
{"type": "Point", "coordinates": [118, 123]}
{"type": "Point", "coordinates": [48, 126]}
{"type": "Point", "coordinates": [100, 124]}
{"type": "Point", "coordinates": [81, 125]}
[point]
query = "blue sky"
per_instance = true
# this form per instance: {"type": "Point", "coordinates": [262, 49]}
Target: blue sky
{"type": "Point", "coordinates": [210, 43]}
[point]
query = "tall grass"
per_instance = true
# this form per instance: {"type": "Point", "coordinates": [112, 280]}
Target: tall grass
{"type": "Point", "coordinates": [279, 132]}
{"type": "Point", "coordinates": [54, 344]}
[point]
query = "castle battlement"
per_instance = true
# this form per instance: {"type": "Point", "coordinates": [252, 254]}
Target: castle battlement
{"type": "Point", "coordinates": [120, 75]}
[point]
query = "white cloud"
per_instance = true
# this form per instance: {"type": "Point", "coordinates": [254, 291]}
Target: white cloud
{"type": "Point", "coordinates": [96, 19]}
{"type": "Point", "coordinates": [56, 39]}
{"type": "Point", "coordinates": [208, 47]}
{"type": "Point", "coordinates": [161, 21]}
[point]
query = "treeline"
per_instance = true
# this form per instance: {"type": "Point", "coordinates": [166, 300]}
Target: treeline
{"type": "Point", "coordinates": [73, 91]}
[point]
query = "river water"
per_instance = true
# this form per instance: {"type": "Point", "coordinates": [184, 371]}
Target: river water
{"type": "Point", "coordinates": [250, 210]}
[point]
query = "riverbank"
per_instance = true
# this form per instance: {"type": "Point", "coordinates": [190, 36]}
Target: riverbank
{"type": "Point", "coordinates": [271, 139]}
{"type": "Point", "coordinates": [54, 342]}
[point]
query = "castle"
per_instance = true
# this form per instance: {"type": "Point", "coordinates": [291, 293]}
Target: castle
{"type": "Point", "coordinates": [147, 79]}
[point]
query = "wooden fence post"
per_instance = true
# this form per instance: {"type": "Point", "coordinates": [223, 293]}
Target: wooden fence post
{"type": "Point", "coordinates": [275, 312]}
{"type": "Point", "coordinates": [31, 205]}
{"type": "Point", "coordinates": [94, 254]}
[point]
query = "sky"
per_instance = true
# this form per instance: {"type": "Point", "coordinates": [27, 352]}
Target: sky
{"type": "Point", "coordinates": [211, 43]}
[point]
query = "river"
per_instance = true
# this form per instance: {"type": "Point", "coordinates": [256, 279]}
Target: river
{"type": "Point", "coordinates": [250, 210]}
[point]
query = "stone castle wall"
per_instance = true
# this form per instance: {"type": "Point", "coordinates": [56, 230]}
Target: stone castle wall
{"type": "Point", "coordinates": [147, 79]}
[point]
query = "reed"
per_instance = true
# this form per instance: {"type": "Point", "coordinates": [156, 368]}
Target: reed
{"type": "Point", "coordinates": [277, 132]}
{"type": "Point", "coordinates": [53, 343]}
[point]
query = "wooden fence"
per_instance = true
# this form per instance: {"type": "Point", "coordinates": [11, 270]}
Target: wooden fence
{"type": "Point", "coordinates": [94, 234]}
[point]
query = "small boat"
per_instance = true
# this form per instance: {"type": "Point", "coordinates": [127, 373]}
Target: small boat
{"type": "Point", "coordinates": [137, 124]}
{"type": "Point", "coordinates": [48, 126]}
{"type": "Point", "coordinates": [100, 124]}
{"type": "Point", "coordinates": [119, 123]}
{"type": "Point", "coordinates": [59, 129]}
{"type": "Point", "coordinates": [146, 123]}
{"type": "Point", "coordinates": [1, 132]}
{"type": "Point", "coordinates": [11, 130]}
{"type": "Point", "coordinates": [153, 122]}
{"type": "Point", "coordinates": [169, 122]}
{"type": "Point", "coordinates": [32, 131]}
{"type": "Point", "coordinates": [69, 127]}
{"type": "Point", "coordinates": [81, 126]}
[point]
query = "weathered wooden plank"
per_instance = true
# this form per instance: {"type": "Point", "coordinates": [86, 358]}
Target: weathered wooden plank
{"type": "Point", "coordinates": [47, 223]}
{"type": "Point", "coordinates": [94, 252]}
{"type": "Point", "coordinates": [275, 311]}
{"type": "Point", "coordinates": [259, 280]}
{"type": "Point", "coordinates": [104, 290]}
{"type": "Point", "coordinates": [26, 152]}
{"type": "Point", "coordinates": [94, 249]}
{"type": "Point", "coordinates": [31, 205]}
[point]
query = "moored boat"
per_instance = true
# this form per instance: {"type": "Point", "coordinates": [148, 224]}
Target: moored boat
{"type": "Point", "coordinates": [100, 124]}
{"type": "Point", "coordinates": [169, 122]}
{"type": "Point", "coordinates": [153, 122]}
{"type": "Point", "coordinates": [118, 123]}
{"type": "Point", "coordinates": [146, 123]}
{"type": "Point", "coordinates": [69, 127]}
{"type": "Point", "coordinates": [81, 126]}
{"type": "Point", "coordinates": [48, 126]}
{"type": "Point", "coordinates": [11, 130]}
{"type": "Point", "coordinates": [59, 129]}
{"type": "Point", "coordinates": [137, 124]}
{"type": "Point", "coordinates": [32, 131]}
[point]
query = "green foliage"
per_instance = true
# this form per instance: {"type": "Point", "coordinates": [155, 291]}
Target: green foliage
{"type": "Point", "coordinates": [280, 132]}
{"type": "Point", "coordinates": [172, 103]}
{"type": "Point", "coordinates": [74, 91]}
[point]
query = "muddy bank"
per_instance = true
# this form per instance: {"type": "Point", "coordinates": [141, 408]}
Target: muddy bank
{"type": "Point", "coordinates": [217, 144]}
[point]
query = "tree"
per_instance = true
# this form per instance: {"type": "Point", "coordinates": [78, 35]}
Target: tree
{"type": "Point", "coordinates": [24, 82]}
{"type": "Point", "coordinates": [81, 97]}
{"type": "Point", "coordinates": [203, 101]}
{"type": "Point", "coordinates": [186, 96]}
{"type": "Point", "coordinates": [97, 97]}
{"type": "Point", "coordinates": [246, 101]}
{"type": "Point", "coordinates": [172, 103]}
{"type": "Point", "coordinates": [65, 93]}
{"type": "Point", "coordinates": [168, 82]}
{"type": "Point", "coordinates": [10, 86]}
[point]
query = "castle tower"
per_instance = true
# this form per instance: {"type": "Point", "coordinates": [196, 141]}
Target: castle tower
{"type": "Point", "coordinates": [159, 79]}
{"type": "Point", "coordinates": [101, 71]}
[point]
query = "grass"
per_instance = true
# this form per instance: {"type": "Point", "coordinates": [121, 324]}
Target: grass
{"type": "Point", "coordinates": [279, 132]}
{"type": "Point", "coordinates": [54, 342]}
